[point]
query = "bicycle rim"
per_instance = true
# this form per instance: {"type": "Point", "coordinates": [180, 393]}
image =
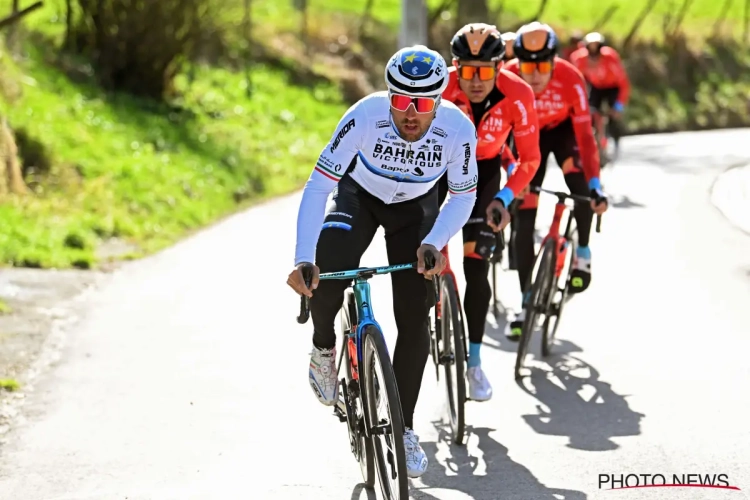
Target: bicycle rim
{"type": "Point", "coordinates": [388, 447]}
{"type": "Point", "coordinates": [538, 301]}
{"type": "Point", "coordinates": [454, 358]}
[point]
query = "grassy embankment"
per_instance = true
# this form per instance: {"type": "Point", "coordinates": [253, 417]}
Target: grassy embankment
{"type": "Point", "coordinates": [113, 167]}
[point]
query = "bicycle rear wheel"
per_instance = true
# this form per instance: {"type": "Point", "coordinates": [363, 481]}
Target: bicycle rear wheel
{"type": "Point", "coordinates": [558, 299]}
{"type": "Point", "coordinates": [351, 390]}
{"type": "Point", "coordinates": [387, 430]}
{"type": "Point", "coordinates": [538, 303]}
{"type": "Point", "coordinates": [453, 356]}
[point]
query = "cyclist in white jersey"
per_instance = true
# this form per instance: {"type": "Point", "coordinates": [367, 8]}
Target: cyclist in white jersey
{"type": "Point", "coordinates": [384, 161]}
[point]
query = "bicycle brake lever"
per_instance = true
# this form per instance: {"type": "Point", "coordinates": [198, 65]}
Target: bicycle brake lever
{"type": "Point", "coordinates": [304, 301]}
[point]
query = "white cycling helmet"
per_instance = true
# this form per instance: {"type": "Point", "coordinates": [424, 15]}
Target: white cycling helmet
{"type": "Point", "coordinates": [593, 37]}
{"type": "Point", "coordinates": [417, 71]}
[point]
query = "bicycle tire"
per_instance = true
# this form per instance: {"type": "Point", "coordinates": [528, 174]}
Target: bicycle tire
{"type": "Point", "coordinates": [373, 345]}
{"type": "Point", "coordinates": [364, 446]}
{"type": "Point", "coordinates": [539, 284]}
{"type": "Point", "coordinates": [452, 334]}
{"type": "Point", "coordinates": [434, 327]}
{"type": "Point", "coordinates": [549, 338]}
{"type": "Point", "coordinates": [495, 298]}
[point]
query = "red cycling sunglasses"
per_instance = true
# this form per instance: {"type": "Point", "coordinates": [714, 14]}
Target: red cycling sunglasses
{"type": "Point", "coordinates": [421, 104]}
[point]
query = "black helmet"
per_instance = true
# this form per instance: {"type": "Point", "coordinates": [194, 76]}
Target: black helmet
{"type": "Point", "coordinates": [478, 42]}
{"type": "Point", "coordinates": [535, 42]}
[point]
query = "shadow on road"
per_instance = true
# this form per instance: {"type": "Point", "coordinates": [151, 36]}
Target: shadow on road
{"type": "Point", "coordinates": [578, 405]}
{"type": "Point", "coordinates": [361, 493]}
{"type": "Point", "coordinates": [503, 478]}
{"type": "Point", "coordinates": [624, 201]}
{"type": "Point", "coordinates": [575, 402]}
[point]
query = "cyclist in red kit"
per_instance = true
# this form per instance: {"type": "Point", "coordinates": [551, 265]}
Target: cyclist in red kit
{"type": "Point", "coordinates": [565, 122]}
{"type": "Point", "coordinates": [497, 102]}
{"type": "Point", "coordinates": [603, 70]}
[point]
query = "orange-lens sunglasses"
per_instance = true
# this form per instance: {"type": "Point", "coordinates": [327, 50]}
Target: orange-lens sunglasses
{"type": "Point", "coordinates": [528, 68]}
{"type": "Point", "coordinates": [421, 104]}
{"type": "Point", "coordinates": [485, 72]}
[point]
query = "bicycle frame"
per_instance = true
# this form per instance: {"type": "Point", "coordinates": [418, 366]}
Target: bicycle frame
{"type": "Point", "coordinates": [554, 234]}
{"type": "Point", "coordinates": [554, 230]}
{"type": "Point", "coordinates": [361, 289]}
{"type": "Point", "coordinates": [365, 317]}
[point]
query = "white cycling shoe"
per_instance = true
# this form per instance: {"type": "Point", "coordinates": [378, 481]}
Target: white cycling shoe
{"type": "Point", "coordinates": [479, 387]}
{"type": "Point", "coordinates": [416, 460]}
{"type": "Point", "coordinates": [323, 375]}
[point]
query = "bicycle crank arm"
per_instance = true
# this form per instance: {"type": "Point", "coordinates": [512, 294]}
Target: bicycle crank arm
{"type": "Point", "coordinates": [340, 411]}
{"type": "Point", "coordinates": [381, 430]}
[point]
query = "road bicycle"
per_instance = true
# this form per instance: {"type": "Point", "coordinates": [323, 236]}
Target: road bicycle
{"type": "Point", "coordinates": [550, 278]}
{"type": "Point", "coordinates": [375, 441]}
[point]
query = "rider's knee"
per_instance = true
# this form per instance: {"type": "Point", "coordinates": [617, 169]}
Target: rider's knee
{"type": "Point", "coordinates": [570, 166]}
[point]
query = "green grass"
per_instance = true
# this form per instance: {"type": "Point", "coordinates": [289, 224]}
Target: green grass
{"type": "Point", "coordinates": [124, 168]}
{"type": "Point", "coordinates": [4, 307]}
{"type": "Point", "coordinates": [9, 384]}
{"type": "Point", "coordinates": [147, 176]}
{"type": "Point", "coordinates": [565, 14]}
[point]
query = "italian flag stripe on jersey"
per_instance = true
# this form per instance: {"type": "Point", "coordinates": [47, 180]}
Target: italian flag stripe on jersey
{"type": "Point", "coordinates": [468, 189]}
{"type": "Point", "coordinates": [328, 172]}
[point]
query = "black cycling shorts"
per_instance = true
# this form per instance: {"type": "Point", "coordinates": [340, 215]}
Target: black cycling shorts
{"type": "Point", "coordinates": [561, 142]}
{"type": "Point", "coordinates": [476, 229]}
{"type": "Point", "coordinates": [597, 96]}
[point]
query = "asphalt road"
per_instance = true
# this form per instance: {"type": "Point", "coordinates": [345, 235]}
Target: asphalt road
{"type": "Point", "coordinates": [187, 377]}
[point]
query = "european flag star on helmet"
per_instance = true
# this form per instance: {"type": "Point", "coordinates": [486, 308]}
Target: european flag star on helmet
{"type": "Point", "coordinates": [417, 63]}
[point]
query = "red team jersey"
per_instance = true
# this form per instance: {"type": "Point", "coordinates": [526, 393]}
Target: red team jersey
{"type": "Point", "coordinates": [605, 73]}
{"type": "Point", "coordinates": [514, 112]}
{"type": "Point", "coordinates": [565, 98]}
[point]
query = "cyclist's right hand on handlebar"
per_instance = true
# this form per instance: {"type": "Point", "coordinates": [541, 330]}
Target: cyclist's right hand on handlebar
{"type": "Point", "coordinates": [497, 215]}
{"type": "Point", "coordinates": [599, 202]}
{"type": "Point", "coordinates": [431, 253]}
{"type": "Point", "coordinates": [296, 278]}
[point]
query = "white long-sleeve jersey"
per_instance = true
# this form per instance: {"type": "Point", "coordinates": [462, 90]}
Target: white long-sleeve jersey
{"type": "Point", "coordinates": [392, 169]}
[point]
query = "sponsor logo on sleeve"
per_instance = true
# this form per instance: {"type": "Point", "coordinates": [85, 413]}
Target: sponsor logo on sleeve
{"type": "Point", "coordinates": [344, 130]}
{"type": "Point", "coordinates": [467, 157]}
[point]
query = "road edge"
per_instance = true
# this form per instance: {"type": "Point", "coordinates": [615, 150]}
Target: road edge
{"type": "Point", "coordinates": [732, 199]}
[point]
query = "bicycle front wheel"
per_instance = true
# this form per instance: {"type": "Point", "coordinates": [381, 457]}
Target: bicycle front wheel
{"type": "Point", "coordinates": [538, 303]}
{"type": "Point", "coordinates": [360, 444]}
{"type": "Point", "coordinates": [453, 356]}
{"type": "Point", "coordinates": [385, 415]}
{"type": "Point", "coordinates": [558, 300]}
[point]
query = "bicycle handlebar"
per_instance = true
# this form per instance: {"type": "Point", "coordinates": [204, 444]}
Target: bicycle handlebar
{"type": "Point", "coordinates": [562, 196]}
{"type": "Point", "coordinates": [304, 303]}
